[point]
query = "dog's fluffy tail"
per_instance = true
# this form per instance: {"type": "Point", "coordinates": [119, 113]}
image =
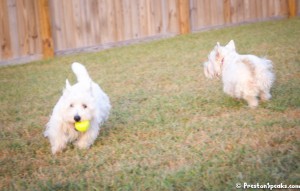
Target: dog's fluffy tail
{"type": "Point", "coordinates": [80, 72]}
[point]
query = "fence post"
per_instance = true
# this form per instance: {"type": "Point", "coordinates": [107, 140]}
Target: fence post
{"type": "Point", "coordinates": [47, 41]}
{"type": "Point", "coordinates": [184, 16]}
{"type": "Point", "coordinates": [292, 8]}
{"type": "Point", "coordinates": [227, 11]}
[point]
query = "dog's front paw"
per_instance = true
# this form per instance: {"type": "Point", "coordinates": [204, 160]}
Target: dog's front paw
{"type": "Point", "coordinates": [57, 149]}
{"type": "Point", "coordinates": [252, 101]}
{"type": "Point", "coordinates": [253, 104]}
{"type": "Point", "coordinates": [82, 144]}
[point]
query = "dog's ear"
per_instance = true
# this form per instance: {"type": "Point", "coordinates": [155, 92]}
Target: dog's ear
{"type": "Point", "coordinates": [217, 50]}
{"type": "Point", "coordinates": [67, 89]}
{"type": "Point", "coordinates": [231, 45]}
{"type": "Point", "coordinates": [68, 86]}
{"type": "Point", "coordinates": [217, 46]}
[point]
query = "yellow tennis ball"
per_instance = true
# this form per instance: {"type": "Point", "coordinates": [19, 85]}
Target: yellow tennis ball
{"type": "Point", "coordinates": [82, 126]}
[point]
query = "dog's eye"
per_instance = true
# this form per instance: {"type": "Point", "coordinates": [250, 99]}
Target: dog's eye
{"type": "Point", "coordinates": [84, 106]}
{"type": "Point", "coordinates": [71, 105]}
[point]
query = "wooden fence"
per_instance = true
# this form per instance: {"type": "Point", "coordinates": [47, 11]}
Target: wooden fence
{"type": "Point", "coordinates": [211, 13]}
{"type": "Point", "coordinates": [35, 29]}
{"type": "Point", "coordinates": [89, 23]}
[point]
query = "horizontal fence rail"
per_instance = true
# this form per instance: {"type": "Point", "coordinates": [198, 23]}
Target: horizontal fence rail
{"type": "Point", "coordinates": [36, 29]}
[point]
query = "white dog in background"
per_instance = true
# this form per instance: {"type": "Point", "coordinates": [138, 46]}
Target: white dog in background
{"type": "Point", "coordinates": [83, 101]}
{"type": "Point", "coordinates": [244, 76]}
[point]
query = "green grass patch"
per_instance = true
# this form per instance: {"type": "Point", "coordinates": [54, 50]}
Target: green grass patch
{"type": "Point", "coordinates": [170, 127]}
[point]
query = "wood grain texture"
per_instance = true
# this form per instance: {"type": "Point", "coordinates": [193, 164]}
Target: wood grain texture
{"type": "Point", "coordinates": [45, 27]}
{"type": "Point", "coordinates": [172, 16]}
{"type": "Point", "coordinates": [5, 42]}
{"type": "Point", "coordinates": [292, 8]}
{"type": "Point", "coordinates": [227, 11]}
{"type": "Point", "coordinates": [13, 28]}
{"type": "Point", "coordinates": [214, 13]}
{"type": "Point", "coordinates": [184, 16]}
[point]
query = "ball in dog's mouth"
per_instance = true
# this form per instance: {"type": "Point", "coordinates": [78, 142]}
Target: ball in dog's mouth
{"type": "Point", "coordinates": [82, 126]}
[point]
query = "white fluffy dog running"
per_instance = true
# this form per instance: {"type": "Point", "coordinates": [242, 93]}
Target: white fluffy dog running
{"type": "Point", "coordinates": [83, 101]}
{"type": "Point", "coordinates": [244, 76]}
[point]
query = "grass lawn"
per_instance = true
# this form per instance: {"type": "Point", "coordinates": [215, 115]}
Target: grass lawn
{"type": "Point", "coordinates": [170, 127]}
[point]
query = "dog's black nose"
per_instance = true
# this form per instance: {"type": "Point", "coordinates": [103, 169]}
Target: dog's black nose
{"type": "Point", "coordinates": [77, 118]}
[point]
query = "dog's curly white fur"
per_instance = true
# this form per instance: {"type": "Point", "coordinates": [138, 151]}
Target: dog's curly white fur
{"type": "Point", "coordinates": [244, 76]}
{"type": "Point", "coordinates": [84, 100]}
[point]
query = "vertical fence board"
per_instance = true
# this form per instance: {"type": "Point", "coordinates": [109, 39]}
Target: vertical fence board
{"type": "Point", "coordinates": [22, 32]}
{"type": "Point", "coordinates": [135, 15]}
{"type": "Point", "coordinates": [213, 10]}
{"type": "Point", "coordinates": [201, 14]}
{"type": "Point", "coordinates": [95, 22]}
{"type": "Point", "coordinates": [86, 22]}
{"type": "Point", "coordinates": [247, 15]}
{"type": "Point", "coordinates": [241, 11]}
{"type": "Point", "coordinates": [128, 34]}
{"type": "Point", "coordinates": [220, 13]}
{"type": "Point", "coordinates": [143, 18]}
{"type": "Point", "coordinates": [276, 7]}
{"type": "Point", "coordinates": [77, 24]}
{"type": "Point", "coordinates": [271, 7]}
{"type": "Point", "coordinates": [33, 27]}
{"type": "Point", "coordinates": [193, 13]}
{"type": "Point", "coordinates": [234, 11]}
{"type": "Point", "coordinates": [149, 16]}
{"type": "Point", "coordinates": [13, 28]}
{"type": "Point", "coordinates": [172, 18]}
{"type": "Point", "coordinates": [298, 7]}
{"type": "Point", "coordinates": [216, 12]}
{"type": "Point", "coordinates": [284, 11]}
{"type": "Point", "coordinates": [265, 11]}
{"type": "Point", "coordinates": [258, 8]}
{"type": "Point", "coordinates": [58, 28]}
{"type": "Point", "coordinates": [227, 11]}
{"type": "Point", "coordinates": [184, 16]}
{"type": "Point", "coordinates": [5, 48]}
{"type": "Point", "coordinates": [207, 16]}
{"type": "Point", "coordinates": [29, 25]}
{"type": "Point", "coordinates": [119, 15]}
{"type": "Point", "coordinates": [112, 24]}
{"type": "Point", "coordinates": [292, 8]}
{"type": "Point", "coordinates": [157, 16]}
{"type": "Point", "coordinates": [103, 24]}
{"type": "Point", "coordinates": [47, 42]}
